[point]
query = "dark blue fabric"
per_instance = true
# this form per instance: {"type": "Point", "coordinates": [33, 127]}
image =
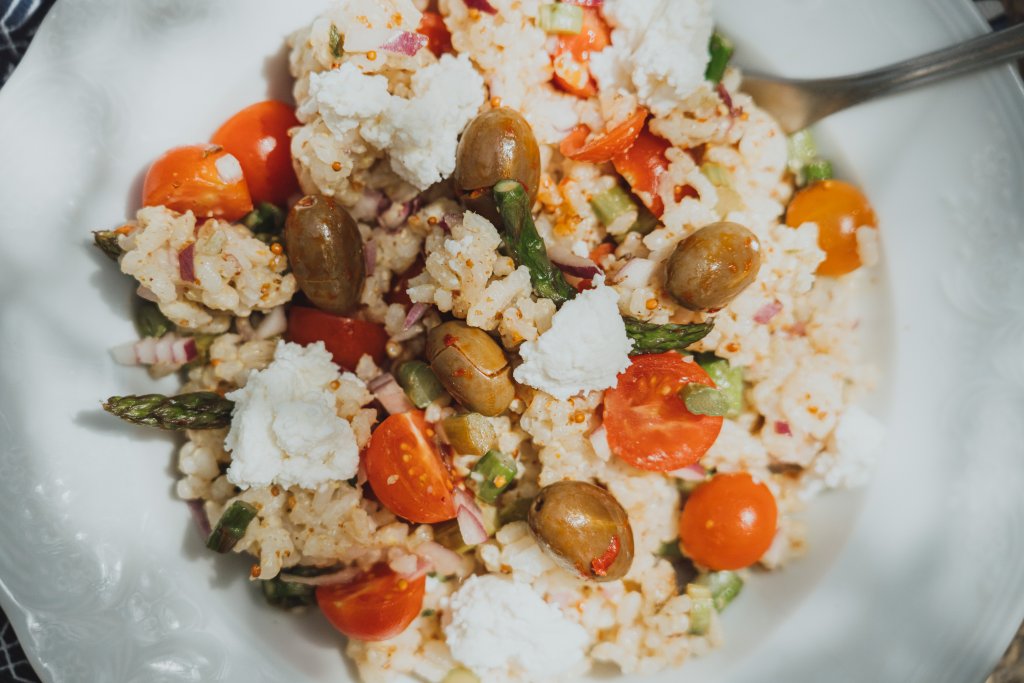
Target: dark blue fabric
{"type": "Point", "coordinates": [19, 20]}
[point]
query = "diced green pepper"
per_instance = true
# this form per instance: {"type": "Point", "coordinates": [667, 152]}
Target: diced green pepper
{"type": "Point", "coordinates": [728, 379]}
{"type": "Point", "coordinates": [492, 474]}
{"type": "Point", "coordinates": [720, 49]}
{"type": "Point", "coordinates": [420, 383]}
{"type": "Point", "coordinates": [231, 526]}
{"type": "Point", "coordinates": [469, 434]}
{"type": "Point", "coordinates": [615, 209]}
{"type": "Point", "coordinates": [150, 322]}
{"type": "Point", "coordinates": [724, 587]}
{"type": "Point", "coordinates": [561, 18]}
{"type": "Point", "coordinates": [701, 399]}
{"type": "Point", "coordinates": [701, 608]}
{"type": "Point", "coordinates": [819, 169]}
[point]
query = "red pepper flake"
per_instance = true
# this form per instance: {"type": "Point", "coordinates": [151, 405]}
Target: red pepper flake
{"type": "Point", "coordinates": [783, 428]}
{"type": "Point", "coordinates": [600, 565]}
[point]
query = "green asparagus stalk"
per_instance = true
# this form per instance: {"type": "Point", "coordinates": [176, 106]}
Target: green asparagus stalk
{"type": "Point", "coordinates": [150, 322]}
{"type": "Point", "coordinates": [526, 244]}
{"type": "Point", "coordinates": [288, 594]}
{"type": "Point", "coordinates": [720, 49]}
{"type": "Point", "coordinates": [265, 221]}
{"type": "Point", "coordinates": [106, 240]}
{"type": "Point", "coordinates": [231, 526]}
{"type": "Point", "coordinates": [198, 410]}
{"type": "Point", "coordinates": [651, 338]}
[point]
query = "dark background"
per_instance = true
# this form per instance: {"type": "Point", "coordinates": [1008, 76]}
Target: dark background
{"type": "Point", "coordinates": [18, 22]}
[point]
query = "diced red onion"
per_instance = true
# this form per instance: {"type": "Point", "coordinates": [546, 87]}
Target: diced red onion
{"type": "Point", "coordinates": [782, 427]}
{"type": "Point", "coordinates": [636, 273]}
{"type": "Point", "coordinates": [342, 576]}
{"type": "Point", "coordinates": [450, 221]}
{"type": "Point", "coordinates": [169, 350]}
{"type": "Point", "coordinates": [585, 3]}
{"type": "Point", "coordinates": [368, 206]}
{"type": "Point", "coordinates": [273, 324]}
{"type": "Point", "coordinates": [421, 566]}
{"type": "Point", "coordinates": [199, 516]}
{"type": "Point", "coordinates": [481, 5]}
{"type": "Point", "coordinates": [395, 215]}
{"type": "Point", "coordinates": [370, 256]}
{"type": "Point", "coordinates": [471, 520]}
{"type": "Point", "coordinates": [187, 263]}
{"type": "Point", "coordinates": [691, 473]}
{"type": "Point", "coordinates": [446, 562]}
{"type": "Point", "coordinates": [571, 264]}
{"type": "Point", "coordinates": [147, 294]}
{"type": "Point", "coordinates": [416, 312]}
{"type": "Point", "coordinates": [387, 390]}
{"type": "Point", "coordinates": [405, 43]}
{"type": "Point", "coordinates": [767, 312]}
{"type": "Point", "coordinates": [599, 442]}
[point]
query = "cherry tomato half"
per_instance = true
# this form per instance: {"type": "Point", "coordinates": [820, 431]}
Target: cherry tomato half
{"type": "Point", "coordinates": [439, 40]}
{"type": "Point", "coordinates": [642, 165]}
{"type": "Point", "coordinates": [203, 179]}
{"type": "Point", "coordinates": [728, 522]}
{"type": "Point", "coordinates": [406, 472]}
{"type": "Point", "coordinates": [571, 60]}
{"type": "Point", "coordinates": [258, 137]}
{"type": "Point", "coordinates": [606, 146]}
{"type": "Point", "coordinates": [838, 208]}
{"type": "Point", "coordinates": [647, 421]}
{"type": "Point", "coordinates": [346, 338]}
{"type": "Point", "coordinates": [378, 605]}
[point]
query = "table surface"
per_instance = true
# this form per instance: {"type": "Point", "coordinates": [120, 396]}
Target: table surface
{"type": "Point", "coordinates": [18, 22]}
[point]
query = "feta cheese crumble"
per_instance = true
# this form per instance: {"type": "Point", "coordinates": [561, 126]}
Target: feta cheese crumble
{"type": "Point", "coordinates": [285, 428]}
{"type": "Point", "coordinates": [420, 134]}
{"type": "Point", "coordinates": [585, 349]}
{"type": "Point", "coordinates": [499, 626]}
{"type": "Point", "coordinates": [659, 50]}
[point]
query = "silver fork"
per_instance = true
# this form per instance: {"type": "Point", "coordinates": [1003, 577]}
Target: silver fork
{"type": "Point", "coordinates": [797, 104]}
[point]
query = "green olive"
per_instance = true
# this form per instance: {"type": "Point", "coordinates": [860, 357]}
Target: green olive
{"type": "Point", "coordinates": [584, 529]}
{"type": "Point", "coordinates": [471, 366]}
{"type": "Point", "coordinates": [325, 252]}
{"type": "Point", "coordinates": [712, 266]}
{"type": "Point", "coordinates": [496, 145]}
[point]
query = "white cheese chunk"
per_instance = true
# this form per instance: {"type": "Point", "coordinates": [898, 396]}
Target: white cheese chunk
{"type": "Point", "coordinates": [285, 428]}
{"type": "Point", "coordinates": [420, 134]}
{"type": "Point", "coordinates": [659, 50]}
{"type": "Point", "coordinates": [499, 626]}
{"type": "Point", "coordinates": [585, 349]}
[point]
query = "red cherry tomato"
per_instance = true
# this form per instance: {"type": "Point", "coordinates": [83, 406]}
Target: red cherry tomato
{"type": "Point", "coordinates": [642, 165]}
{"type": "Point", "coordinates": [258, 137]}
{"type": "Point", "coordinates": [647, 421]}
{"type": "Point", "coordinates": [406, 472]}
{"type": "Point", "coordinates": [346, 338]}
{"type": "Point", "coordinates": [378, 605]}
{"type": "Point", "coordinates": [203, 179]}
{"type": "Point", "coordinates": [439, 40]}
{"type": "Point", "coordinates": [571, 60]}
{"type": "Point", "coordinates": [606, 146]}
{"type": "Point", "coordinates": [728, 522]}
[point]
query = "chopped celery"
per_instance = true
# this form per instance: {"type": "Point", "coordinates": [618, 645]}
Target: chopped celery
{"type": "Point", "coordinates": [720, 48]}
{"type": "Point", "coordinates": [420, 383]}
{"type": "Point", "coordinates": [727, 378]}
{"type": "Point", "coordinates": [231, 526]}
{"type": "Point", "coordinates": [560, 17]}
{"type": "Point", "coordinates": [150, 322]}
{"type": "Point", "coordinates": [468, 434]}
{"type": "Point", "coordinates": [701, 399]}
{"type": "Point", "coordinates": [724, 587]}
{"type": "Point", "coordinates": [716, 173]}
{"type": "Point", "coordinates": [492, 474]}
{"type": "Point", "coordinates": [802, 150]}
{"type": "Point", "coordinates": [460, 675]}
{"type": "Point", "coordinates": [615, 209]}
{"type": "Point", "coordinates": [701, 608]}
{"type": "Point", "coordinates": [819, 169]}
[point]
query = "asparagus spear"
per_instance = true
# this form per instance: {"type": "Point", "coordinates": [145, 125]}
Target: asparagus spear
{"type": "Point", "coordinates": [231, 526]}
{"type": "Point", "coordinates": [721, 49]}
{"type": "Point", "coordinates": [150, 322]}
{"type": "Point", "coordinates": [651, 338]}
{"type": "Point", "coordinates": [106, 240]}
{"type": "Point", "coordinates": [197, 410]}
{"type": "Point", "coordinates": [526, 244]}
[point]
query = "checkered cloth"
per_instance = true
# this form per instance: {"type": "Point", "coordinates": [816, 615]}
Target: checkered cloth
{"type": "Point", "coordinates": [19, 20]}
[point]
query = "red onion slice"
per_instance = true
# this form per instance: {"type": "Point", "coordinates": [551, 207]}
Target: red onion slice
{"type": "Point", "coordinates": [187, 263]}
{"type": "Point", "coordinates": [405, 43]}
{"type": "Point", "coordinates": [394, 216]}
{"type": "Point", "coordinates": [386, 390]}
{"type": "Point", "coordinates": [169, 350]}
{"type": "Point", "coordinates": [767, 312]}
{"type": "Point", "coordinates": [471, 520]}
{"type": "Point", "coordinates": [446, 562]}
{"type": "Point", "coordinates": [481, 5]}
{"type": "Point", "coordinates": [423, 565]}
{"type": "Point", "coordinates": [571, 264]}
{"type": "Point", "coordinates": [691, 473]}
{"type": "Point", "coordinates": [273, 324]}
{"type": "Point", "coordinates": [416, 312]}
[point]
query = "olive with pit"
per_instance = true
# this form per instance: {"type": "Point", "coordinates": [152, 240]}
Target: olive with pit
{"type": "Point", "coordinates": [325, 251]}
{"type": "Point", "coordinates": [497, 145]}
{"type": "Point", "coordinates": [471, 366]}
{"type": "Point", "coordinates": [712, 266]}
{"type": "Point", "coordinates": [583, 529]}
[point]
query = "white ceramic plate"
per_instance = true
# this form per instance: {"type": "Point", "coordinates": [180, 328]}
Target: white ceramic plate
{"type": "Point", "coordinates": [919, 578]}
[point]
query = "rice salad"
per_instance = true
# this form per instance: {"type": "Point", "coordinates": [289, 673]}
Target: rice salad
{"type": "Point", "coordinates": [515, 345]}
